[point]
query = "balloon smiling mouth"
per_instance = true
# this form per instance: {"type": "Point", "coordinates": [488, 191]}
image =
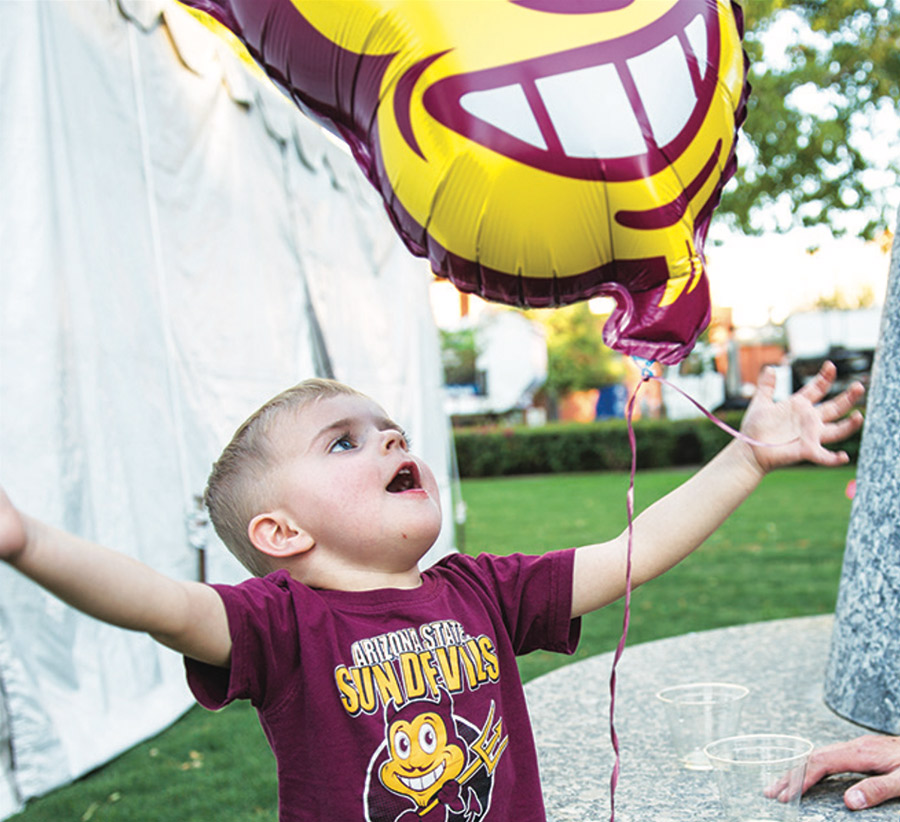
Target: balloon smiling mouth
{"type": "Point", "coordinates": [616, 110]}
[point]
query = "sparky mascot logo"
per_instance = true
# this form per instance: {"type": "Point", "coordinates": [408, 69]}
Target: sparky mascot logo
{"type": "Point", "coordinates": [433, 765]}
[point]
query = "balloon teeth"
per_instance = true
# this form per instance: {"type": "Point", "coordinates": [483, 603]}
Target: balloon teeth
{"type": "Point", "coordinates": [590, 113]}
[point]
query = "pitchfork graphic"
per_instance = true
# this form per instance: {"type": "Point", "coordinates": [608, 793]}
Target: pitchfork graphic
{"type": "Point", "coordinates": [487, 753]}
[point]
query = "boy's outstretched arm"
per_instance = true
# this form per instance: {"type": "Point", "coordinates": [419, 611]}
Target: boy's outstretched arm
{"type": "Point", "coordinates": [186, 616]}
{"type": "Point", "coordinates": [675, 525]}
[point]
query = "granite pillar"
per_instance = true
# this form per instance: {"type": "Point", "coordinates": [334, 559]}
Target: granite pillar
{"type": "Point", "coordinates": [862, 679]}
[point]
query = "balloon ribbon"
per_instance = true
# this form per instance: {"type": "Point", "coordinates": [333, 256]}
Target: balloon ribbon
{"type": "Point", "coordinates": [646, 375]}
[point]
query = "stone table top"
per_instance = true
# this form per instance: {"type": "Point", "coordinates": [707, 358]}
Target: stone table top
{"type": "Point", "coordinates": [781, 662]}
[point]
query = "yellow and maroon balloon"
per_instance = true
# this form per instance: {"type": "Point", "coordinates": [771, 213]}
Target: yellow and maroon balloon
{"type": "Point", "coordinates": [538, 152]}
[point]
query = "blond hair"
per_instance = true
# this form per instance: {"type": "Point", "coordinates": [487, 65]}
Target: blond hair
{"type": "Point", "coordinates": [237, 488]}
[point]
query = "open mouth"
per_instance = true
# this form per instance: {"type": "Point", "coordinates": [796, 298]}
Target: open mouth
{"type": "Point", "coordinates": [406, 479]}
{"type": "Point", "coordinates": [612, 110]}
{"type": "Point", "coordinates": [423, 783]}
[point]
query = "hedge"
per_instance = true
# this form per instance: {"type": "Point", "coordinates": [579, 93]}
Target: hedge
{"type": "Point", "coordinates": [599, 446]}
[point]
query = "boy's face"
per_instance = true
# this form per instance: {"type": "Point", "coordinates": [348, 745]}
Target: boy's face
{"type": "Point", "coordinates": [348, 479]}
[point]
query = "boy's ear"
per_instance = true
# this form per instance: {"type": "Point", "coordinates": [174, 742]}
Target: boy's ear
{"type": "Point", "coordinates": [274, 533]}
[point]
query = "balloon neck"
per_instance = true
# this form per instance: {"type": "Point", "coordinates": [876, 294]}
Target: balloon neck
{"type": "Point", "coordinates": [646, 367]}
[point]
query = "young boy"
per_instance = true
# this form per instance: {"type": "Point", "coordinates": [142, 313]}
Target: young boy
{"type": "Point", "coordinates": [387, 693]}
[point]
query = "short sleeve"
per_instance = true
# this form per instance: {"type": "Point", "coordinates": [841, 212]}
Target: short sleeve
{"type": "Point", "coordinates": [534, 595]}
{"type": "Point", "coordinates": [263, 625]}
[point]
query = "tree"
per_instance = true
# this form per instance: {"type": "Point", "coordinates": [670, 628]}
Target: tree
{"type": "Point", "coordinates": [577, 358]}
{"type": "Point", "coordinates": [459, 354]}
{"type": "Point", "coordinates": [810, 153]}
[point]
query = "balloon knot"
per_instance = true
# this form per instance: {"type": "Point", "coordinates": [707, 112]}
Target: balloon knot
{"type": "Point", "coordinates": [646, 367]}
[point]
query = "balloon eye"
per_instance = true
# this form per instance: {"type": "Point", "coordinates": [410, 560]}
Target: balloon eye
{"type": "Point", "coordinates": [427, 738]}
{"type": "Point", "coordinates": [402, 745]}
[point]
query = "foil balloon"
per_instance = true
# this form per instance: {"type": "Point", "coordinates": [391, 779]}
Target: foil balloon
{"type": "Point", "coordinates": [537, 152]}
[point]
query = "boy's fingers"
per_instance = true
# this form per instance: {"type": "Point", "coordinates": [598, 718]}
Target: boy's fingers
{"type": "Point", "coordinates": [829, 459]}
{"type": "Point", "coordinates": [765, 383]}
{"type": "Point", "coordinates": [835, 408]}
{"type": "Point", "coordinates": [840, 430]}
{"type": "Point", "coordinates": [767, 376]}
{"type": "Point", "coordinates": [819, 385]}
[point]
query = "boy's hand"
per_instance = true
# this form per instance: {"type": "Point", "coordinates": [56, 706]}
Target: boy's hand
{"type": "Point", "coordinates": [801, 426]}
{"type": "Point", "coordinates": [12, 529]}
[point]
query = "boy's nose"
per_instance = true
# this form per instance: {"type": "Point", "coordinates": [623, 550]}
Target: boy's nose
{"type": "Point", "coordinates": [391, 439]}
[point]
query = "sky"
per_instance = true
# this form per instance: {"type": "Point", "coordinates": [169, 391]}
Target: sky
{"type": "Point", "coordinates": [764, 279]}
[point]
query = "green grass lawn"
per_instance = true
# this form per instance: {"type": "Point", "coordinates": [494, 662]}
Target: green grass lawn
{"type": "Point", "coordinates": [778, 556]}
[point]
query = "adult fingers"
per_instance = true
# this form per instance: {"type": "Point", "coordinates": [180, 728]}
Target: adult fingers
{"type": "Point", "coordinates": [841, 757]}
{"type": "Point", "coordinates": [873, 791]}
{"type": "Point", "coordinates": [864, 754]}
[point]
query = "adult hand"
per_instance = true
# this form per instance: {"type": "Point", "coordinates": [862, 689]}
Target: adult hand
{"type": "Point", "coordinates": [877, 755]}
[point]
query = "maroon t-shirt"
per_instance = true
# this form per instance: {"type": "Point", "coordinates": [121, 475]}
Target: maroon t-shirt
{"type": "Point", "coordinates": [398, 704]}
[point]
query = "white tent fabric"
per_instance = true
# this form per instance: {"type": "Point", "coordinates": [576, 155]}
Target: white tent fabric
{"type": "Point", "coordinates": [177, 244]}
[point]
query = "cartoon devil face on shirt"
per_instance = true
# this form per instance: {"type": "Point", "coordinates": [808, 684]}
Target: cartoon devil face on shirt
{"type": "Point", "coordinates": [424, 754]}
{"type": "Point", "coordinates": [537, 151]}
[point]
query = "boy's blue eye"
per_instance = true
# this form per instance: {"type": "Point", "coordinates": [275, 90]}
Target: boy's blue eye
{"type": "Point", "coordinates": [342, 444]}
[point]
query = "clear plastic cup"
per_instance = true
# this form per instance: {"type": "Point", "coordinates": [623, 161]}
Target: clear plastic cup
{"type": "Point", "coordinates": [698, 713]}
{"type": "Point", "coordinates": [760, 776]}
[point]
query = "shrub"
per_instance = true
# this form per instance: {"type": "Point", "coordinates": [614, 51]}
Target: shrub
{"type": "Point", "coordinates": [599, 446]}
